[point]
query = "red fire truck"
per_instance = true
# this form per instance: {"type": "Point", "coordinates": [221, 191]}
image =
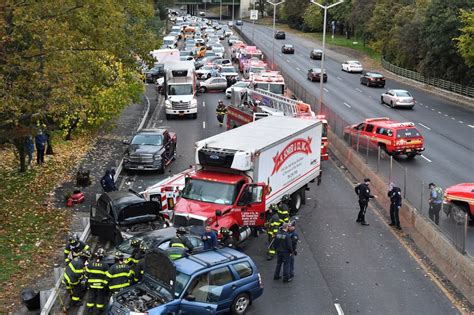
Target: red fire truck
{"type": "Point", "coordinates": [461, 195]}
{"type": "Point", "coordinates": [268, 80]}
{"type": "Point", "coordinates": [248, 105]}
{"type": "Point", "coordinates": [248, 53]}
{"type": "Point", "coordinates": [241, 172]}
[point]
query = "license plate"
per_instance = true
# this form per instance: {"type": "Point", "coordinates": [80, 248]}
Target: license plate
{"type": "Point", "coordinates": [408, 150]}
{"type": "Point", "coordinates": [140, 167]}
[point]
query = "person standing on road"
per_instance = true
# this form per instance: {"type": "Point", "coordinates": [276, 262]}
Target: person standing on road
{"type": "Point", "coordinates": [284, 210]}
{"type": "Point", "coordinates": [108, 181]}
{"type": "Point", "coordinates": [363, 191]}
{"type": "Point", "coordinates": [74, 247]}
{"type": "Point", "coordinates": [294, 242]}
{"type": "Point", "coordinates": [120, 275]}
{"type": "Point", "coordinates": [395, 195]}
{"type": "Point", "coordinates": [73, 274]}
{"type": "Point", "coordinates": [209, 238]}
{"type": "Point", "coordinates": [435, 201]}
{"type": "Point", "coordinates": [284, 251]}
{"type": "Point", "coordinates": [272, 229]}
{"type": "Point", "coordinates": [96, 282]}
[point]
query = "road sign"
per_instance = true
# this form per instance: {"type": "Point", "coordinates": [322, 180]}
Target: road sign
{"type": "Point", "coordinates": [254, 14]}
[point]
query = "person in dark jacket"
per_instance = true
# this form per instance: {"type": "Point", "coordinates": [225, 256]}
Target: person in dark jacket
{"type": "Point", "coordinates": [395, 195]}
{"type": "Point", "coordinates": [284, 249]}
{"type": "Point", "coordinates": [96, 282]}
{"type": "Point", "coordinates": [120, 275]}
{"type": "Point", "coordinates": [272, 229]}
{"type": "Point", "coordinates": [209, 238]}
{"type": "Point", "coordinates": [108, 181]}
{"type": "Point", "coordinates": [73, 275]}
{"type": "Point", "coordinates": [294, 242]}
{"type": "Point", "coordinates": [40, 141]}
{"type": "Point", "coordinates": [363, 191]}
{"type": "Point", "coordinates": [74, 247]}
{"type": "Point", "coordinates": [29, 148]}
{"type": "Point", "coordinates": [227, 240]}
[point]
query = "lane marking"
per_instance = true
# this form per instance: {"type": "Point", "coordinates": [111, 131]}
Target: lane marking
{"type": "Point", "coordinates": [439, 113]}
{"type": "Point", "coordinates": [426, 158]}
{"type": "Point", "coordinates": [325, 90]}
{"type": "Point", "coordinates": [287, 61]}
{"type": "Point", "coordinates": [472, 126]}
{"type": "Point", "coordinates": [461, 122]}
{"type": "Point", "coordinates": [358, 90]}
{"type": "Point", "coordinates": [453, 118]}
{"type": "Point", "coordinates": [424, 126]}
{"type": "Point", "coordinates": [432, 109]}
{"type": "Point", "coordinates": [427, 106]}
{"type": "Point", "coordinates": [446, 115]}
{"type": "Point", "coordinates": [422, 104]}
{"type": "Point", "coordinates": [203, 104]}
{"type": "Point", "coordinates": [204, 125]}
{"type": "Point", "coordinates": [339, 78]}
{"type": "Point", "coordinates": [298, 69]}
{"type": "Point", "coordinates": [349, 106]}
{"type": "Point", "coordinates": [339, 309]}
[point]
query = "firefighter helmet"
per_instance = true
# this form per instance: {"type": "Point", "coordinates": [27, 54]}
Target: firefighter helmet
{"type": "Point", "coordinates": [99, 253]}
{"type": "Point", "coordinates": [181, 230]}
{"type": "Point", "coordinates": [135, 242]}
{"type": "Point", "coordinates": [73, 239]}
{"type": "Point", "coordinates": [118, 255]}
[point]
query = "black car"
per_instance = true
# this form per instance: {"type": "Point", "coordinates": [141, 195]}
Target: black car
{"type": "Point", "coordinates": [239, 22]}
{"type": "Point", "coordinates": [154, 73]}
{"type": "Point", "coordinates": [123, 211]}
{"type": "Point", "coordinates": [288, 49]}
{"type": "Point", "coordinates": [280, 35]}
{"type": "Point", "coordinates": [316, 54]}
{"type": "Point", "coordinates": [150, 149]}
{"type": "Point", "coordinates": [371, 78]}
{"type": "Point", "coordinates": [314, 74]}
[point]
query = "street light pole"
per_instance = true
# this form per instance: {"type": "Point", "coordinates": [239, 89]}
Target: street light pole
{"type": "Point", "coordinates": [233, 6]}
{"type": "Point", "coordinates": [220, 12]}
{"type": "Point", "coordinates": [325, 7]}
{"type": "Point", "coordinates": [273, 40]}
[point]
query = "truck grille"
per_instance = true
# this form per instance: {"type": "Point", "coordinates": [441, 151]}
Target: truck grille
{"type": "Point", "coordinates": [142, 158]}
{"type": "Point", "coordinates": [180, 105]}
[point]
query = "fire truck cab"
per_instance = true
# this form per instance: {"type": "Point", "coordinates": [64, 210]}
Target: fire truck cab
{"type": "Point", "coordinates": [271, 81]}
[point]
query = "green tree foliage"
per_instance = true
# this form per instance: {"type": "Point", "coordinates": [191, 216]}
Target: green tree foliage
{"type": "Point", "coordinates": [313, 19]}
{"type": "Point", "coordinates": [293, 12]}
{"type": "Point", "coordinates": [441, 57]}
{"type": "Point", "coordinates": [69, 64]}
{"type": "Point", "coordinates": [465, 42]}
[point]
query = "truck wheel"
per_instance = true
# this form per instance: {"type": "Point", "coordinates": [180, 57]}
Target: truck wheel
{"type": "Point", "coordinates": [295, 202]}
{"type": "Point", "coordinates": [195, 116]}
{"type": "Point", "coordinates": [303, 195]}
{"type": "Point", "coordinates": [240, 304]}
{"type": "Point", "coordinates": [168, 117]}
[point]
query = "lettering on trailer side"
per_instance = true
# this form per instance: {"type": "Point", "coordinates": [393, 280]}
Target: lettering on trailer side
{"type": "Point", "coordinates": [296, 146]}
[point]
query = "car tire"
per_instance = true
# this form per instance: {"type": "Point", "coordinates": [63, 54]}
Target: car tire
{"type": "Point", "coordinates": [194, 116]}
{"type": "Point", "coordinates": [203, 89]}
{"type": "Point", "coordinates": [391, 104]}
{"type": "Point", "coordinates": [411, 156]}
{"type": "Point", "coordinates": [208, 75]}
{"type": "Point", "coordinates": [361, 82]}
{"type": "Point", "coordinates": [383, 147]}
{"type": "Point", "coordinates": [240, 304]}
{"type": "Point", "coordinates": [411, 107]}
{"type": "Point", "coordinates": [381, 100]}
{"type": "Point", "coordinates": [296, 201]}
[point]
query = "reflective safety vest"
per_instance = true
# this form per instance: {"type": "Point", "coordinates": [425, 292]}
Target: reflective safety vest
{"type": "Point", "coordinates": [274, 224]}
{"type": "Point", "coordinates": [96, 275]}
{"type": "Point", "coordinates": [74, 272]}
{"type": "Point", "coordinates": [119, 276]}
{"type": "Point", "coordinates": [176, 252]}
{"type": "Point", "coordinates": [284, 214]}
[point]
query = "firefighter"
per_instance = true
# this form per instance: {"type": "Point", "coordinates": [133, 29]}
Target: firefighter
{"type": "Point", "coordinates": [227, 240]}
{"type": "Point", "coordinates": [272, 229]}
{"type": "Point", "coordinates": [96, 282]}
{"type": "Point", "coordinates": [74, 247]}
{"type": "Point", "coordinates": [134, 258]}
{"type": "Point", "coordinates": [180, 244]}
{"type": "Point", "coordinates": [73, 274]}
{"type": "Point", "coordinates": [139, 268]}
{"type": "Point", "coordinates": [120, 275]}
{"type": "Point", "coordinates": [221, 110]}
{"type": "Point", "coordinates": [284, 210]}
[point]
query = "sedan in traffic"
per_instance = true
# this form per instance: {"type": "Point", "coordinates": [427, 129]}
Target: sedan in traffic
{"type": "Point", "coordinates": [213, 84]}
{"type": "Point", "coordinates": [316, 54]}
{"type": "Point", "coordinates": [288, 49]}
{"type": "Point", "coordinates": [314, 74]}
{"type": "Point", "coordinates": [280, 35]}
{"type": "Point", "coordinates": [398, 98]}
{"type": "Point", "coordinates": [371, 78]}
{"type": "Point", "coordinates": [352, 66]}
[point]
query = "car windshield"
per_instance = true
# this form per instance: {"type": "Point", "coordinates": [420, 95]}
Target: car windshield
{"type": "Point", "coordinates": [212, 192]}
{"type": "Point", "coordinates": [168, 42]}
{"type": "Point", "coordinates": [182, 89]}
{"type": "Point", "coordinates": [354, 63]}
{"type": "Point", "coordinates": [407, 133]}
{"type": "Point", "coordinates": [375, 75]}
{"type": "Point", "coordinates": [402, 94]}
{"type": "Point", "coordinates": [256, 69]}
{"type": "Point", "coordinates": [126, 247]}
{"type": "Point", "coordinates": [181, 282]}
{"type": "Point", "coordinates": [277, 88]}
{"type": "Point", "coordinates": [148, 139]}
{"type": "Point", "coordinates": [229, 70]}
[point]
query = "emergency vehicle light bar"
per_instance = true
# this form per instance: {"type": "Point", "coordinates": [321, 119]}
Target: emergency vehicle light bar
{"type": "Point", "coordinates": [377, 119]}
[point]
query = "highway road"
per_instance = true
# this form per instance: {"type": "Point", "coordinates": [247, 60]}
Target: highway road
{"type": "Point", "coordinates": [447, 127]}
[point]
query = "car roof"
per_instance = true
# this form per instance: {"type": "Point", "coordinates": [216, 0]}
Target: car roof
{"type": "Point", "coordinates": [400, 91]}
{"type": "Point", "coordinates": [288, 45]}
{"type": "Point", "coordinates": [316, 49]}
{"type": "Point", "coordinates": [207, 259]}
{"type": "Point", "coordinates": [373, 72]}
{"type": "Point", "coordinates": [388, 123]}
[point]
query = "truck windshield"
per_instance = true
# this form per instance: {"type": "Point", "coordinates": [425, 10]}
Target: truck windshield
{"type": "Point", "coordinates": [277, 88]}
{"type": "Point", "coordinates": [145, 139]}
{"type": "Point", "coordinates": [212, 192]}
{"type": "Point", "coordinates": [168, 42]}
{"type": "Point", "coordinates": [325, 131]}
{"type": "Point", "coordinates": [182, 89]}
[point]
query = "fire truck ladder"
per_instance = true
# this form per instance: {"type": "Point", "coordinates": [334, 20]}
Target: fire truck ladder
{"type": "Point", "coordinates": [284, 104]}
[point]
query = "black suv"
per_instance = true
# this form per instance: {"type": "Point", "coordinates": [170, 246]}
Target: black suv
{"type": "Point", "coordinates": [154, 73]}
{"type": "Point", "coordinates": [150, 149]}
{"type": "Point", "coordinates": [280, 35]}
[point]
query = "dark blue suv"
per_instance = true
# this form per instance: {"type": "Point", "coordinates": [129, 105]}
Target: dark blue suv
{"type": "Point", "coordinates": [211, 282]}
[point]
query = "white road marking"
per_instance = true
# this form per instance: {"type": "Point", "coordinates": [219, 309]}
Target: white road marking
{"type": "Point", "coordinates": [339, 309]}
{"type": "Point", "coordinates": [453, 118]}
{"type": "Point", "coordinates": [426, 158]}
{"type": "Point", "coordinates": [298, 69]}
{"type": "Point", "coordinates": [358, 90]}
{"type": "Point", "coordinates": [432, 109]}
{"type": "Point", "coordinates": [445, 115]}
{"type": "Point", "coordinates": [426, 106]}
{"type": "Point", "coordinates": [287, 61]}
{"type": "Point", "coordinates": [349, 106]}
{"type": "Point", "coordinates": [325, 90]}
{"type": "Point", "coordinates": [203, 104]}
{"type": "Point", "coordinates": [424, 126]}
{"type": "Point", "coordinates": [461, 122]}
{"type": "Point", "coordinates": [339, 78]}
{"type": "Point", "coordinates": [204, 125]}
{"type": "Point", "coordinates": [439, 112]}
{"type": "Point", "coordinates": [472, 126]}
{"type": "Point", "coordinates": [422, 104]}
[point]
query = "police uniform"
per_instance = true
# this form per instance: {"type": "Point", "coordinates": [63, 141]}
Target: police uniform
{"type": "Point", "coordinates": [284, 249]}
{"type": "Point", "coordinates": [294, 242]}
{"type": "Point", "coordinates": [363, 191]}
{"type": "Point", "coordinates": [395, 195]}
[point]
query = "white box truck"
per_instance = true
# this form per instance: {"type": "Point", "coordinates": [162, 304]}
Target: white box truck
{"type": "Point", "coordinates": [180, 89]}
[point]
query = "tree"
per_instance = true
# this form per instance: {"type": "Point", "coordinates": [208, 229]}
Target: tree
{"type": "Point", "coordinates": [465, 42]}
{"type": "Point", "coordinates": [293, 11]}
{"type": "Point", "coordinates": [313, 18]}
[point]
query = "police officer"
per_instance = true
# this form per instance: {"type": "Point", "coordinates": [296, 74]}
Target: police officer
{"type": "Point", "coordinates": [435, 202]}
{"type": "Point", "coordinates": [96, 282]}
{"type": "Point", "coordinates": [73, 274]}
{"type": "Point", "coordinates": [363, 191]}
{"type": "Point", "coordinates": [395, 195]}
{"type": "Point", "coordinates": [284, 249]}
{"type": "Point", "coordinates": [74, 247]}
{"type": "Point", "coordinates": [120, 275]}
{"type": "Point", "coordinates": [294, 242]}
{"type": "Point", "coordinates": [180, 244]}
{"type": "Point", "coordinates": [272, 229]}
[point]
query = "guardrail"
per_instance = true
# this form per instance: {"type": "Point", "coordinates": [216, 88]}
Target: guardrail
{"type": "Point", "coordinates": [442, 84]}
{"type": "Point", "coordinates": [51, 301]}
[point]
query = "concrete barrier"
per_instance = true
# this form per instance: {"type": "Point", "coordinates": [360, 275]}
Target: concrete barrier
{"type": "Point", "coordinates": [458, 268]}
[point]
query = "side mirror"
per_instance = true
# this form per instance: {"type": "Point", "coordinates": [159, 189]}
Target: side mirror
{"type": "Point", "coordinates": [190, 298]}
{"type": "Point", "coordinates": [218, 213]}
{"type": "Point", "coordinates": [125, 141]}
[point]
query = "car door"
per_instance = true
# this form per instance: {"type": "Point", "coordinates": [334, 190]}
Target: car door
{"type": "Point", "coordinates": [103, 223]}
{"type": "Point", "coordinates": [196, 299]}
{"type": "Point", "coordinates": [251, 202]}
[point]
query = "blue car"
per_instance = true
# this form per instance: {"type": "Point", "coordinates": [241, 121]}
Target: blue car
{"type": "Point", "coordinates": [211, 282]}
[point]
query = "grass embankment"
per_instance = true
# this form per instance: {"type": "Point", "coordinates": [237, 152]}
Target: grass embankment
{"type": "Point", "coordinates": [337, 41]}
{"type": "Point", "coordinates": [31, 229]}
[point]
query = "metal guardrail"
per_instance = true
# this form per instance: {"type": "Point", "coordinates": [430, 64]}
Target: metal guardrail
{"type": "Point", "coordinates": [51, 301]}
{"type": "Point", "coordinates": [442, 84]}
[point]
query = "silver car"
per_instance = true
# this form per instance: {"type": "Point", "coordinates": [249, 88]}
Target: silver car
{"type": "Point", "coordinates": [399, 98]}
{"type": "Point", "coordinates": [217, 83]}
